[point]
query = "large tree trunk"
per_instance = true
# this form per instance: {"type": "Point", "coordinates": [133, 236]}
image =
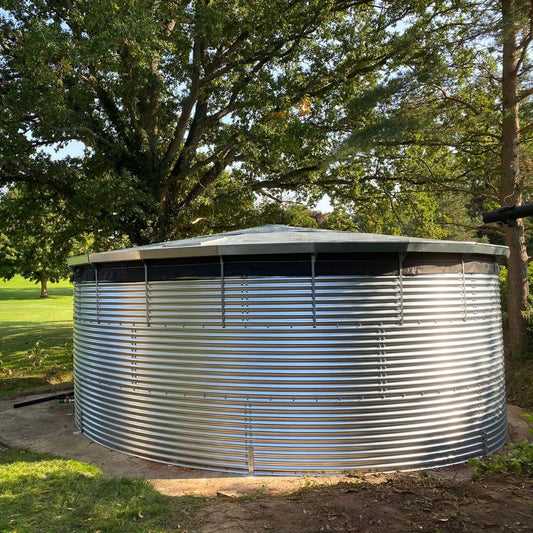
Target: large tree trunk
{"type": "Point", "coordinates": [518, 286]}
{"type": "Point", "coordinates": [44, 285]}
{"type": "Point", "coordinates": [510, 189]}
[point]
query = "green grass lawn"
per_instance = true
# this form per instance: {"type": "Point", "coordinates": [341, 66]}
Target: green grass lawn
{"type": "Point", "coordinates": [35, 335]}
{"type": "Point", "coordinates": [42, 493]}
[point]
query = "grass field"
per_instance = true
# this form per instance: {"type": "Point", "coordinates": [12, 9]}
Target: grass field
{"type": "Point", "coordinates": [35, 335]}
{"type": "Point", "coordinates": [42, 493]}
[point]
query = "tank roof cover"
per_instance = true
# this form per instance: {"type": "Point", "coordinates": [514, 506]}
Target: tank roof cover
{"type": "Point", "coordinates": [278, 239]}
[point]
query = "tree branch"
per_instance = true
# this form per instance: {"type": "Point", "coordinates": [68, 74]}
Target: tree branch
{"type": "Point", "coordinates": [524, 94]}
{"type": "Point", "coordinates": [207, 179]}
{"type": "Point", "coordinates": [468, 105]}
{"type": "Point", "coordinates": [182, 165]}
{"type": "Point", "coordinates": [152, 109]}
{"type": "Point", "coordinates": [285, 181]}
{"type": "Point", "coordinates": [187, 107]}
{"type": "Point", "coordinates": [113, 112]}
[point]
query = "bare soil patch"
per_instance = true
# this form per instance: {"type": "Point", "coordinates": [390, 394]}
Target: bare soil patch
{"type": "Point", "coordinates": [401, 503]}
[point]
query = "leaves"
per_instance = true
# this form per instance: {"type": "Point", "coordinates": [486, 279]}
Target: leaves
{"type": "Point", "coordinates": [518, 459]}
{"type": "Point", "coordinates": [38, 247]}
{"type": "Point", "coordinates": [169, 99]}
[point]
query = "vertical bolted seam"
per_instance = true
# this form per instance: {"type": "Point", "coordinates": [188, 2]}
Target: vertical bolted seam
{"type": "Point", "coordinates": [463, 280]}
{"type": "Point", "coordinates": [222, 294]}
{"type": "Point", "coordinates": [251, 460]}
{"type": "Point", "coordinates": [133, 349]}
{"type": "Point", "coordinates": [382, 362]}
{"type": "Point", "coordinates": [97, 295]}
{"type": "Point", "coordinates": [146, 292]}
{"type": "Point", "coordinates": [401, 256]}
{"type": "Point", "coordinates": [313, 288]}
{"type": "Point", "coordinates": [249, 436]}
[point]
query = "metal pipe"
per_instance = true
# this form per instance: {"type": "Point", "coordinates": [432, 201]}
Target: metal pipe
{"type": "Point", "coordinates": [508, 214]}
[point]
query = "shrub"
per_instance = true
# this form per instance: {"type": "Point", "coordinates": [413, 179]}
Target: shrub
{"type": "Point", "coordinates": [519, 459]}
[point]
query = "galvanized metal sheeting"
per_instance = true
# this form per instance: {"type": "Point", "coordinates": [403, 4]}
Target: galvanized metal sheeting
{"type": "Point", "coordinates": [293, 374]}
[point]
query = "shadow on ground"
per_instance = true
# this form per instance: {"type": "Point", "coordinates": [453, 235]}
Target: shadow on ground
{"type": "Point", "coordinates": [32, 293]}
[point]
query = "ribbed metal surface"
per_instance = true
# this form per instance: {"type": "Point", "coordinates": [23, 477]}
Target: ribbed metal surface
{"type": "Point", "coordinates": [292, 375]}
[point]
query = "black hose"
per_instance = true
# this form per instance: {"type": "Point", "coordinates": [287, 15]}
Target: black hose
{"type": "Point", "coordinates": [47, 399]}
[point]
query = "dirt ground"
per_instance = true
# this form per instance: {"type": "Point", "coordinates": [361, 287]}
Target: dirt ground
{"type": "Point", "coordinates": [404, 503]}
{"type": "Point", "coordinates": [440, 500]}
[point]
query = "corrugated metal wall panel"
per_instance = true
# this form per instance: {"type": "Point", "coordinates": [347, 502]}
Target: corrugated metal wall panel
{"type": "Point", "coordinates": [196, 302]}
{"type": "Point", "coordinates": [292, 375]}
{"type": "Point", "coordinates": [268, 302]}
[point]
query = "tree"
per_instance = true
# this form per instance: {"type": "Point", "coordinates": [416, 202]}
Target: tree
{"type": "Point", "coordinates": [517, 34]}
{"type": "Point", "coordinates": [457, 131]}
{"type": "Point", "coordinates": [36, 238]}
{"type": "Point", "coordinates": [168, 98]}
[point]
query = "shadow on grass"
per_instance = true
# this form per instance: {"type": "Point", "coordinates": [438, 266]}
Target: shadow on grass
{"type": "Point", "coordinates": [33, 357]}
{"type": "Point", "coordinates": [15, 455]}
{"type": "Point", "coordinates": [13, 387]}
{"type": "Point", "coordinates": [44, 493]}
{"type": "Point", "coordinates": [33, 293]}
{"type": "Point", "coordinates": [42, 327]}
{"type": "Point", "coordinates": [24, 335]}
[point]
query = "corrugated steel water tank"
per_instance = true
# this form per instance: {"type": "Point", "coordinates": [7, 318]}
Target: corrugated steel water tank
{"type": "Point", "coordinates": [280, 350]}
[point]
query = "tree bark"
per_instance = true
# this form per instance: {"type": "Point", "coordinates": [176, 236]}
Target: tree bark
{"type": "Point", "coordinates": [510, 189]}
{"type": "Point", "coordinates": [44, 285]}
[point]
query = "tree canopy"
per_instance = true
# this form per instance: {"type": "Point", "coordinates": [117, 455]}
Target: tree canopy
{"type": "Point", "coordinates": [187, 108]}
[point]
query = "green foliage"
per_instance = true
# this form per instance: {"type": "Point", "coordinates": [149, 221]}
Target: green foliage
{"type": "Point", "coordinates": [518, 459]}
{"type": "Point", "coordinates": [37, 236]}
{"type": "Point", "coordinates": [42, 493]}
{"type": "Point", "coordinates": [180, 106]}
{"type": "Point", "coordinates": [39, 231]}
{"type": "Point", "coordinates": [397, 212]}
{"type": "Point", "coordinates": [526, 350]}
{"type": "Point", "coordinates": [437, 129]}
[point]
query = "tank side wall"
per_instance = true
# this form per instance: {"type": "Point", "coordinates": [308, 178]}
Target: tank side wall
{"type": "Point", "coordinates": [293, 374]}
